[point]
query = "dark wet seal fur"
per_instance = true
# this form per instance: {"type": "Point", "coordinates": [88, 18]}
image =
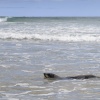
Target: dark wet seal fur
{"type": "Point", "coordinates": [50, 76]}
{"type": "Point", "coordinates": [53, 76]}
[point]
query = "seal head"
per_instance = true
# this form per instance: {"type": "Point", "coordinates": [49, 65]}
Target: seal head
{"type": "Point", "coordinates": [50, 76]}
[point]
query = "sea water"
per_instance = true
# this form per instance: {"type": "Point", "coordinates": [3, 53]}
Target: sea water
{"type": "Point", "coordinates": [67, 46]}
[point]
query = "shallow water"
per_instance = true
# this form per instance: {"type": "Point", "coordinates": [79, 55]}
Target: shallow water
{"type": "Point", "coordinates": [22, 64]}
{"type": "Point", "coordinates": [64, 46]}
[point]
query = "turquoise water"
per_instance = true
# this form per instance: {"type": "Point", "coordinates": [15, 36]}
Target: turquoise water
{"type": "Point", "coordinates": [64, 46]}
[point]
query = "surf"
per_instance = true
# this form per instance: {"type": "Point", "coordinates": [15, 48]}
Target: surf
{"type": "Point", "coordinates": [3, 19]}
{"type": "Point", "coordinates": [48, 37]}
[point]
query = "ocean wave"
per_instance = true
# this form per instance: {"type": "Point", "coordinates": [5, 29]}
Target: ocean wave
{"type": "Point", "coordinates": [24, 19]}
{"type": "Point", "coordinates": [45, 37]}
{"type": "Point", "coordinates": [35, 19]}
{"type": "Point", "coordinates": [3, 19]}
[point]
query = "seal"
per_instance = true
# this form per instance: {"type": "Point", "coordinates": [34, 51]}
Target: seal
{"type": "Point", "coordinates": [53, 76]}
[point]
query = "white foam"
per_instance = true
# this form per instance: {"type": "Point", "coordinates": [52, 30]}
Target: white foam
{"type": "Point", "coordinates": [3, 19]}
{"type": "Point", "coordinates": [9, 96]}
{"type": "Point", "coordinates": [5, 66]}
{"type": "Point", "coordinates": [39, 87]}
{"type": "Point", "coordinates": [63, 91]}
{"type": "Point", "coordinates": [23, 93]}
{"type": "Point", "coordinates": [48, 94]}
{"type": "Point", "coordinates": [48, 37]}
{"type": "Point", "coordinates": [27, 71]}
{"type": "Point", "coordinates": [22, 84]}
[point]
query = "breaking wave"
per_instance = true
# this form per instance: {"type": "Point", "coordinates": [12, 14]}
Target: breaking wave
{"type": "Point", "coordinates": [44, 37]}
{"type": "Point", "coordinates": [50, 29]}
{"type": "Point", "coordinates": [24, 19]}
{"type": "Point", "coordinates": [3, 19]}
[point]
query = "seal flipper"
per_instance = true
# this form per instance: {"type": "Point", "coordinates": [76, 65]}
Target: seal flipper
{"type": "Point", "coordinates": [50, 76]}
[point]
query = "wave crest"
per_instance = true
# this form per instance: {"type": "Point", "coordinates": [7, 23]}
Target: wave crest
{"type": "Point", "coordinates": [44, 37]}
{"type": "Point", "coordinates": [3, 19]}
